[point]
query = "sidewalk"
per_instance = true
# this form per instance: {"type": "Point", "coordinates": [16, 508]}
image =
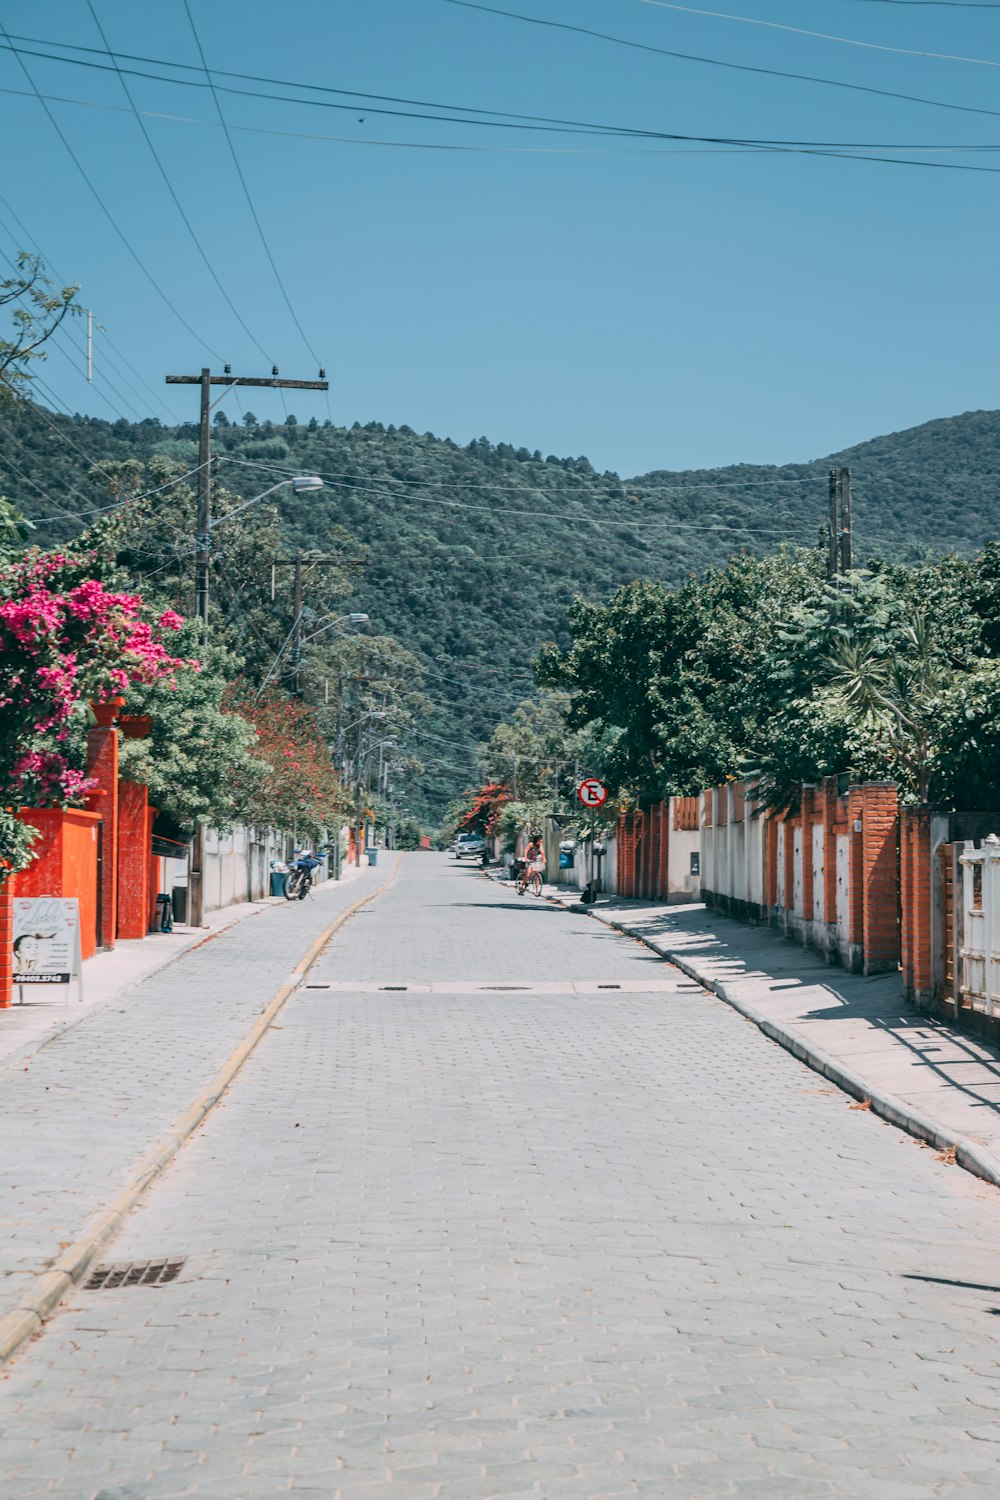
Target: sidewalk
{"type": "Point", "coordinates": [80, 1110]}
{"type": "Point", "coordinates": [922, 1075]}
{"type": "Point", "coordinates": [108, 975]}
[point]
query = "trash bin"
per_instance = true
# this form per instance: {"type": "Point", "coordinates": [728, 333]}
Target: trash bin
{"type": "Point", "coordinates": [566, 854]}
{"type": "Point", "coordinates": [277, 882]}
{"type": "Point", "coordinates": [179, 899]}
{"type": "Point", "coordinates": [372, 854]}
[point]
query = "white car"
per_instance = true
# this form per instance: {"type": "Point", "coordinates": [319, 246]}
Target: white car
{"type": "Point", "coordinates": [468, 846]}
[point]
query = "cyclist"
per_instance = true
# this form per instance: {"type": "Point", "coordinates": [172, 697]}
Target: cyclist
{"type": "Point", "coordinates": [534, 856]}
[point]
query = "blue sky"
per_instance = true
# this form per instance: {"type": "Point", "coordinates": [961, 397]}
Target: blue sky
{"type": "Point", "coordinates": [649, 304]}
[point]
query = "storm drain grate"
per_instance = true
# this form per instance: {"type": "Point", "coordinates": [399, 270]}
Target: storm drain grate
{"type": "Point", "coordinates": [317, 986]}
{"type": "Point", "coordinates": [609, 986]}
{"type": "Point", "coordinates": [399, 987]}
{"type": "Point", "coordinates": [506, 986]}
{"type": "Point", "coordinates": [133, 1273]}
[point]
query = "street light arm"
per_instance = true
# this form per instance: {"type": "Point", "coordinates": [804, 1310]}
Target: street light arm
{"type": "Point", "coordinates": [246, 503]}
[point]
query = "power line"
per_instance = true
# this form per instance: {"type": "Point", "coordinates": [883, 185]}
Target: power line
{"type": "Point", "coordinates": [496, 118]}
{"type": "Point", "coordinates": [717, 62]}
{"type": "Point", "coordinates": [246, 190]}
{"type": "Point", "coordinates": [101, 203]}
{"type": "Point", "coordinates": [747, 147]}
{"type": "Point", "coordinates": [170, 189]}
{"type": "Point", "coordinates": [822, 36]}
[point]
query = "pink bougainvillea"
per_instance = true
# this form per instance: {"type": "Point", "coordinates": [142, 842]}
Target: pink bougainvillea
{"type": "Point", "coordinates": [65, 639]}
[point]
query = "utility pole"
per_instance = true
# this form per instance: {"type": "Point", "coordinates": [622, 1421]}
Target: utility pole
{"type": "Point", "coordinates": [296, 563]}
{"type": "Point", "coordinates": [203, 548]}
{"type": "Point", "coordinates": [90, 347]}
{"type": "Point", "coordinates": [357, 806]}
{"type": "Point", "coordinates": [833, 537]}
{"type": "Point", "coordinates": [846, 523]}
{"type": "Point", "coordinates": [840, 543]}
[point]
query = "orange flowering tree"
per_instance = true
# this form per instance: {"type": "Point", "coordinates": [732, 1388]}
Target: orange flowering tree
{"type": "Point", "coordinates": [297, 785]}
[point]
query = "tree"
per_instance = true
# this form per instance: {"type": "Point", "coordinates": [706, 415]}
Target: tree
{"type": "Point", "coordinates": [295, 784]}
{"type": "Point", "coordinates": [39, 312]}
{"type": "Point", "coordinates": [65, 639]}
{"type": "Point", "coordinates": [200, 760]}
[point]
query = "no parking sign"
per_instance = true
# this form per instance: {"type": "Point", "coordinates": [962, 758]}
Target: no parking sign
{"type": "Point", "coordinates": [591, 792]}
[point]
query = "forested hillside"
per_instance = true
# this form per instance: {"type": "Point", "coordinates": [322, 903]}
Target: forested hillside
{"type": "Point", "coordinates": [474, 553]}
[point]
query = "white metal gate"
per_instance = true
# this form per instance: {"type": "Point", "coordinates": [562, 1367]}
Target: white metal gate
{"type": "Point", "coordinates": [979, 948]}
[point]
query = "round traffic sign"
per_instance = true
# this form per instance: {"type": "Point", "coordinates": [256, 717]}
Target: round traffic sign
{"type": "Point", "coordinates": [592, 793]}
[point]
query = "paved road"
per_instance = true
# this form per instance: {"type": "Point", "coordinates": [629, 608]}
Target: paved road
{"type": "Point", "coordinates": [454, 1243]}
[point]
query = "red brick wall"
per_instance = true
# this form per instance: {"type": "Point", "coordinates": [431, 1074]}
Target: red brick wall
{"type": "Point", "coordinates": [916, 953]}
{"type": "Point", "coordinates": [102, 765]}
{"type": "Point", "coordinates": [7, 941]}
{"type": "Point", "coordinates": [133, 860]}
{"type": "Point", "coordinates": [880, 876]}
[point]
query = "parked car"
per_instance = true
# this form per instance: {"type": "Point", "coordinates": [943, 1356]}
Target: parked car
{"type": "Point", "coordinates": [469, 846]}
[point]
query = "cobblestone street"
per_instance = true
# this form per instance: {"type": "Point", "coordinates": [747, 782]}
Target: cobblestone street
{"type": "Point", "coordinates": [473, 1222]}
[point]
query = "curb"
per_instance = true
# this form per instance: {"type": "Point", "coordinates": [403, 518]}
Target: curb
{"type": "Point", "coordinates": [49, 1287]}
{"type": "Point", "coordinates": [895, 1111]}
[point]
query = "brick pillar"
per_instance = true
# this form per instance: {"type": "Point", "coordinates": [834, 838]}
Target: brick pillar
{"type": "Point", "coordinates": [647, 854]}
{"type": "Point", "coordinates": [152, 872]}
{"type": "Point", "coordinates": [856, 875]}
{"type": "Point", "coordinates": [923, 952]}
{"type": "Point", "coordinates": [905, 899]}
{"type": "Point", "coordinates": [917, 954]}
{"type": "Point", "coordinates": [880, 875]}
{"type": "Point", "coordinates": [133, 860]}
{"type": "Point", "coordinates": [7, 942]}
{"type": "Point", "coordinates": [663, 868]}
{"type": "Point", "coordinates": [102, 766]}
{"type": "Point", "coordinates": [808, 809]}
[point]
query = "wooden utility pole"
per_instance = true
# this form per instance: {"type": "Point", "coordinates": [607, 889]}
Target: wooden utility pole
{"type": "Point", "coordinates": [833, 539]}
{"type": "Point", "coordinates": [296, 563]}
{"type": "Point", "coordinates": [840, 546]}
{"type": "Point", "coordinates": [846, 523]}
{"type": "Point", "coordinates": [203, 553]}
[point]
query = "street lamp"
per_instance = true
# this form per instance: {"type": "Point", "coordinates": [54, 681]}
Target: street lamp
{"type": "Point", "coordinates": [302, 484]}
{"type": "Point", "coordinates": [356, 618]}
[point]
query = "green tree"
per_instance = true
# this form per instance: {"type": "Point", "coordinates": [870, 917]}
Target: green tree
{"type": "Point", "coordinates": [38, 308]}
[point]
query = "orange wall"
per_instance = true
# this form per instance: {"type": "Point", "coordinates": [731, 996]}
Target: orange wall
{"type": "Point", "coordinates": [65, 863]}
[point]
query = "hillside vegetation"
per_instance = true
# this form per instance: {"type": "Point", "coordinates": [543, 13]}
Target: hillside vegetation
{"type": "Point", "coordinates": [474, 554]}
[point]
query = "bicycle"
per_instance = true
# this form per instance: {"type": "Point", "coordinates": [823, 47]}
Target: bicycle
{"type": "Point", "coordinates": [529, 880]}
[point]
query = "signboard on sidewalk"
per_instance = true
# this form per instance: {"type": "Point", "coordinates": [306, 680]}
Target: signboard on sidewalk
{"type": "Point", "coordinates": [592, 793]}
{"type": "Point", "coordinates": [47, 941]}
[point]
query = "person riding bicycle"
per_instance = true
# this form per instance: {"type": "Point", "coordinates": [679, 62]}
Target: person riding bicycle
{"type": "Point", "coordinates": [534, 856]}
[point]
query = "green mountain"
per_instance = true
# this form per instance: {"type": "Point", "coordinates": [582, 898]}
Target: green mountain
{"type": "Point", "coordinates": [476, 551]}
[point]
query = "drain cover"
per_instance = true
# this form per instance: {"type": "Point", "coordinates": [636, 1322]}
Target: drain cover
{"type": "Point", "coordinates": [609, 986]}
{"type": "Point", "coordinates": [394, 986]}
{"type": "Point", "coordinates": [134, 1273]}
{"type": "Point", "coordinates": [506, 986]}
{"type": "Point", "coordinates": [317, 986]}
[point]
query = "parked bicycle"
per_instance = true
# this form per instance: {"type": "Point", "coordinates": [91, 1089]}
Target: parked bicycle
{"type": "Point", "coordinates": [298, 881]}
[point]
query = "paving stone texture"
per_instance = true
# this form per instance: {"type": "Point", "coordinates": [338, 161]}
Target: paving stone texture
{"type": "Point", "coordinates": [82, 1109]}
{"type": "Point", "coordinates": [448, 1245]}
